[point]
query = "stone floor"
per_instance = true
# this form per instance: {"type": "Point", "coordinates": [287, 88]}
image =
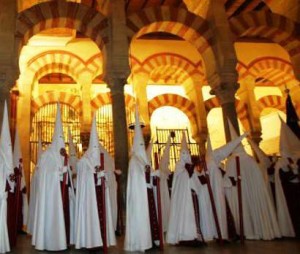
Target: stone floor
{"type": "Point", "coordinates": [285, 246]}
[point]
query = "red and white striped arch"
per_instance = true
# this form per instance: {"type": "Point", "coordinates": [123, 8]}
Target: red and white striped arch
{"type": "Point", "coordinates": [53, 97]}
{"type": "Point", "coordinates": [177, 101]}
{"type": "Point", "coordinates": [277, 70]}
{"type": "Point", "coordinates": [64, 62]}
{"type": "Point", "coordinates": [180, 22]}
{"type": "Point", "coordinates": [54, 68]}
{"type": "Point", "coordinates": [242, 70]}
{"type": "Point", "coordinates": [269, 25]}
{"type": "Point", "coordinates": [59, 13]}
{"type": "Point", "coordinates": [165, 64]}
{"type": "Point", "coordinates": [105, 98]}
{"type": "Point", "coordinates": [100, 100]}
{"type": "Point", "coordinates": [271, 101]}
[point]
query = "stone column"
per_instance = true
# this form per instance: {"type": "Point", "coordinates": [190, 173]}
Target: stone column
{"type": "Point", "coordinates": [225, 94]}
{"type": "Point", "coordinates": [8, 70]}
{"type": "Point", "coordinates": [194, 92]}
{"type": "Point", "coordinates": [116, 71]}
{"type": "Point", "coordinates": [246, 94]}
{"type": "Point", "coordinates": [120, 129]}
{"type": "Point", "coordinates": [85, 82]}
{"type": "Point", "coordinates": [227, 61]}
{"type": "Point", "coordinates": [140, 89]}
{"type": "Point", "coordinates": [24, 123]}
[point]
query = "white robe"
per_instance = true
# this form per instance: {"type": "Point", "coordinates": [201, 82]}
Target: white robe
{"type": "Point", "coordinates": [164, 196]}
{"type": "Point", "coordinates": [33, 193]}
{"type": "Point", "coordinates": [259, 215]}
{"type": "Point", "coordinates": [138, 231]}
{"type": "Point", "coordinates": [207, 222]}
{"type": "Point", "coordinates": [49, 225]}
{"type": "Point", "coordinates": [109, 167]}
{"type": "Point", "coordinates": [216, 181]}
{"type": "Point", "coordinates": [87, 224]}
{"type": "Point", "coordinates": [182, 222]}
{"type": "Point", "coordinates": [4, 240]}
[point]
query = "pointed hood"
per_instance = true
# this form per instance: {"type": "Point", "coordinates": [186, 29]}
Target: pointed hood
{"type": "Point", "coordinates": [165, 159]}
{"type": "Point", "coordinates": [5, 142]}
{"type": "Point", "coordinates": [72, 150]}
{"type": "Point", "coordinates": [138, 146]}
{"type": "Point", "coordinates": [185, 156]}
{"type": "Point", "coordinates": [260, 154]}
{"type": "Point", "coordinates": [209, 152]}
{"type": "Point", "coordinates": [93, 151]}
{"type": "Point", "coordinates": [149, 151]}
{"type": "Point", "coordinates": [239, 148]}
{"type": "Point", "coordinates": [289, 144]}
{"type": "Point", "coordinates": [17, 154]}
{"type": "Point", "coordinates": [58, 141]}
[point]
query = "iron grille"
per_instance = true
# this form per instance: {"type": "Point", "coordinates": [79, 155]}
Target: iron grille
{"type": "Point", "coordinates": [176, 136]}
{"type": "Point", "coordinates": [43, 125]}
{"type": "Point", "coordinates": [104, 122]}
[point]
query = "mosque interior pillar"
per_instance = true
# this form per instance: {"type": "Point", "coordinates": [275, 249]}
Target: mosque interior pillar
{"type": "Point", "coordinates": [23, 123]}
{"type": "Point", "coordinates": [194, 92]}
{"type": "Point", "coordinates": [247, 95]}
{"type": "Point", "coordinates": [226, 86]}
{"type": "Point", "coordinates": [8, 70]}
{"type": "Point", "coordinates": [120, 128]}
{"type": "Point", "coordinates": [225, 93]}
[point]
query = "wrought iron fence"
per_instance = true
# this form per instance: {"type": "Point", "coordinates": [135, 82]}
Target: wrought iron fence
{"type": "Point", "coordinates": [176, 137]}
{"type": "Point", "coordinates": [42, 126]}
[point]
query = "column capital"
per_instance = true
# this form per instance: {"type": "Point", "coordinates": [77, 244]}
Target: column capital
{"type": "Point", "coordinates": [225, 92]}
{"type": "Point", "coordinates": [116, 84]}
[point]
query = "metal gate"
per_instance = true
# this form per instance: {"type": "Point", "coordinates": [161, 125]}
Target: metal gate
{"type": "Point", "coordinates": [43, 125]}
{"type": "Point", "coordinates": [104, 121]}
{"type": "Point", "coordinates": [176, 136]}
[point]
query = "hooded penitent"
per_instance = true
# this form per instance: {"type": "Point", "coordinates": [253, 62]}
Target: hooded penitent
{"type": "Point", "coordinates": [182, 222]}
{"type": "Point", "coordinates": [283, 215]}
{"type": "Point", "coordinates": [109, 167]}
{"type": "Point", "coordinates": [289, 144]}
{"type": "Point", "coordinates": [286, 166]}
{"type": "Point", "coordinates": [259, 215]}
{"type": "Point", "coordinates": [6, 169]}
{"type": "Point", "coordinates": [34, 187]}
{"type": "Point", "coordinates": [164, 174]}
{"type": "Point", "coordinates": [49, 230]}
{"type": "Point", "coordinates": [87, 226]}
{"type": "Point", "coordinates": [138, 231]}
{"type": "Point", "coordinates": [18, 162]}
{"type": "Point", "coordinates": [263, 160]}
{"type": "Point", "coordinates": [213, 159]}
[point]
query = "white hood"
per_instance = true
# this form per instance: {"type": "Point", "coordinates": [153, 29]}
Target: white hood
{"type": "Point", "coordinates": [138, 147]}
{"type": "Point", "coordinates": [289, 144]}
{"type": "Point", "coordinates": [5, 142]}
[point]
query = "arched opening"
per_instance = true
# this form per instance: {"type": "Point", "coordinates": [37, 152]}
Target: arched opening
{"type": "Point", "coordinates": [169, 121]}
